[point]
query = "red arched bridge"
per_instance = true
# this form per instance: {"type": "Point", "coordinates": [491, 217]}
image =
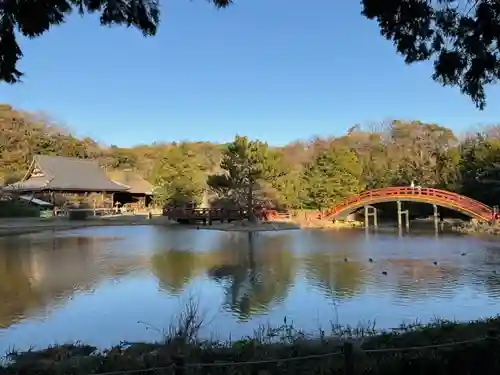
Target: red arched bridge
{"type": "Point", "coordinates": [443, 198]}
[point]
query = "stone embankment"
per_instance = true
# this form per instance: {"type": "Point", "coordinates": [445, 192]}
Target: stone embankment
{"type": "Point", "coordinates": [295, 222]}
{"type": "Point", "coordinates": [311, 219]}
{"type": "Point", "coordinates": [475, 227]}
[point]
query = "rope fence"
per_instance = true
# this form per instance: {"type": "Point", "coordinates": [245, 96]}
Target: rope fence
{"type": "Point", "coordinates": [347, 352]}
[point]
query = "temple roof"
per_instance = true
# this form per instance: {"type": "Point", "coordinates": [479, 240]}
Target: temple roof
{"type": "Point", "coordinates": [135, 183]}
{"type": "Point", "coordinates": [65, 174]}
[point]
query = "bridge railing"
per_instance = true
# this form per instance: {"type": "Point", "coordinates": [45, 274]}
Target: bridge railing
{"type": "Point", "coordinates": [436, 195]}
{"type": "Point", "coordinates": [439, 193]}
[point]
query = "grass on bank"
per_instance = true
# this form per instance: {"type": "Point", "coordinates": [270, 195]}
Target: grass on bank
{"type": "Point", "coordinates": [283, 349]}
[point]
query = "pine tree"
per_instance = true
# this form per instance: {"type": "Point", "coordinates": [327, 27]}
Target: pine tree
{"type": "Point", "coordinates": [178, 177]}
{"type": "Point", "coordinates": [247, 164]}
{"type": "Point", "coordinates": [332, 177]}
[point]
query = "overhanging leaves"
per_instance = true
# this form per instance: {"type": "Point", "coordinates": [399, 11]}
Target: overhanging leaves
{"type": "Point", "coordinates": [460, 37]}
{"type": "Point", "coordinates": [32, 18]}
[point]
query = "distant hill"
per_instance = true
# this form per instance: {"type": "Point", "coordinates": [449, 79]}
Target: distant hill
{"type": "Point", "coordinates": [24, 134]}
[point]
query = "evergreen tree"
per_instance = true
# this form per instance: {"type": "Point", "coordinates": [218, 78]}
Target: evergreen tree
{"type": "Point", "coordinates": [480, 169]}
{"type": "Point", "coordinates": [332, 177]}
{"type": "Point", "coordinates": [178, 177]}
{"type": "Point", "coordinates": [247, 164]}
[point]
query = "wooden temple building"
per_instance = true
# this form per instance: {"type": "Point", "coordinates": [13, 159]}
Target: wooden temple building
{"type": "Point", "coordinates": [140, 192]}
{"type": "Point", "coordinates": [63, 180]}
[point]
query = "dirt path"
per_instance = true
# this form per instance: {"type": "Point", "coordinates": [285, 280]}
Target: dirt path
{"type": "Point", "coordinates": [19, 226]}
{"type": "Point", "coordinates": [9, 227]}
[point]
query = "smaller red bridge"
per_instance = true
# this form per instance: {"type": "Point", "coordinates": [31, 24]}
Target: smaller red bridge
{"type": "Point", "coordinates": [443, 198]}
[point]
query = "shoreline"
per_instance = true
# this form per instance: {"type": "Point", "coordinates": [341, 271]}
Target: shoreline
{"type": "Point", "coordinates": [387, 352]}
{"type": "Point", "coordinates": [22, 226]}
{"type": "Point", "coordinates": [477, 229]}
{"type": "Point", "coordinates": [17, 227]}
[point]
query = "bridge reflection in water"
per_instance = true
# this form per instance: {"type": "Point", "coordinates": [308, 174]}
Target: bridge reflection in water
{"type": "Point", "coordinates": [111, 278]}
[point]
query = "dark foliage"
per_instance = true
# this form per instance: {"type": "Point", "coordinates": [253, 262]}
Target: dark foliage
{"type": "Point", "coordinates": [78, 215]}
{"type": "Point", "coordinates": [32, 18]}
{"type": "Point", "coordinates": [15, 208]}
{"type": "Point", "coordinates": [425, 350]}
{"type": "Point", "coordinates": [460, 37]}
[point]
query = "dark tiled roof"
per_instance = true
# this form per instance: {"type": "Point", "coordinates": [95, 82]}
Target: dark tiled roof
{"type": "Point", "coordinates": [135, 183]}
{"type": "Point", "coordinates": [35, 183]}
{"type": "Point", "coordinates": [70, 174]}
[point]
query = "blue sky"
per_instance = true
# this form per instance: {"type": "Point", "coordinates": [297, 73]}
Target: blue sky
{"type": "Point", "coordinates": [277, 70]}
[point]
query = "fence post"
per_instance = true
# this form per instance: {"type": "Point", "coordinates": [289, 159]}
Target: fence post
{"type": "Point", "coordinates": [491, 340]}
{"type": "Point", "coordinates": [348, 359]}
{"type": "Point", "coordinates": [179, 365]}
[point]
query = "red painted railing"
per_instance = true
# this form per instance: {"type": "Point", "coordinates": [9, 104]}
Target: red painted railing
{"type": "Point", "coordinates": [428, 195]}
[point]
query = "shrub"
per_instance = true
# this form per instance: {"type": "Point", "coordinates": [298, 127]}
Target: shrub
{"type": "Point", "coordinates": [78, 215]}
{"type": "Point", "coordinates": [18, 209]}
{"type": "Point", "coordinates": [82, 212]}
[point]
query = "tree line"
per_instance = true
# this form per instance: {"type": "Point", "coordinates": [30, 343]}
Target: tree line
{"type": "Point", "coordinates": [312, 174]}
{"type": "Point", "coordinates": [325, 171]}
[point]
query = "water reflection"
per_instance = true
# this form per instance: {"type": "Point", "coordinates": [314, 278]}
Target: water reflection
{"type": "Point", "coordinates": [418, 279]}
{"type": "Point", "coordinates": [255, 271]}
{"type": "Point", "coordinates": [245, 276]}
{"type": "Point", "coordinates": [335, 273]}
{"type": "Point", "coordinates": [175, 268]}
{"type": "Point", "coordinates": [38, 273]}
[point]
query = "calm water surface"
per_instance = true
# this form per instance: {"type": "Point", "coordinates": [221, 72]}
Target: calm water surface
{"type": "Point", "coordinates": [106, 285]}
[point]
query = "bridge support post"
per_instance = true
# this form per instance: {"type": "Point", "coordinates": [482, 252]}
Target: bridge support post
{"type": "Point", "coordinates": [368, 214]}
{"type": "Point", "coordinates": [406, 213]}
{"type": "Point", "coordinates": [399, 214]}
{"type": "Point", "coordinates": [436, 218]}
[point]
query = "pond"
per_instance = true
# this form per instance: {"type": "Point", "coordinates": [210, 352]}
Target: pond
{"type": "Point", "coordinates": [110, 284]}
